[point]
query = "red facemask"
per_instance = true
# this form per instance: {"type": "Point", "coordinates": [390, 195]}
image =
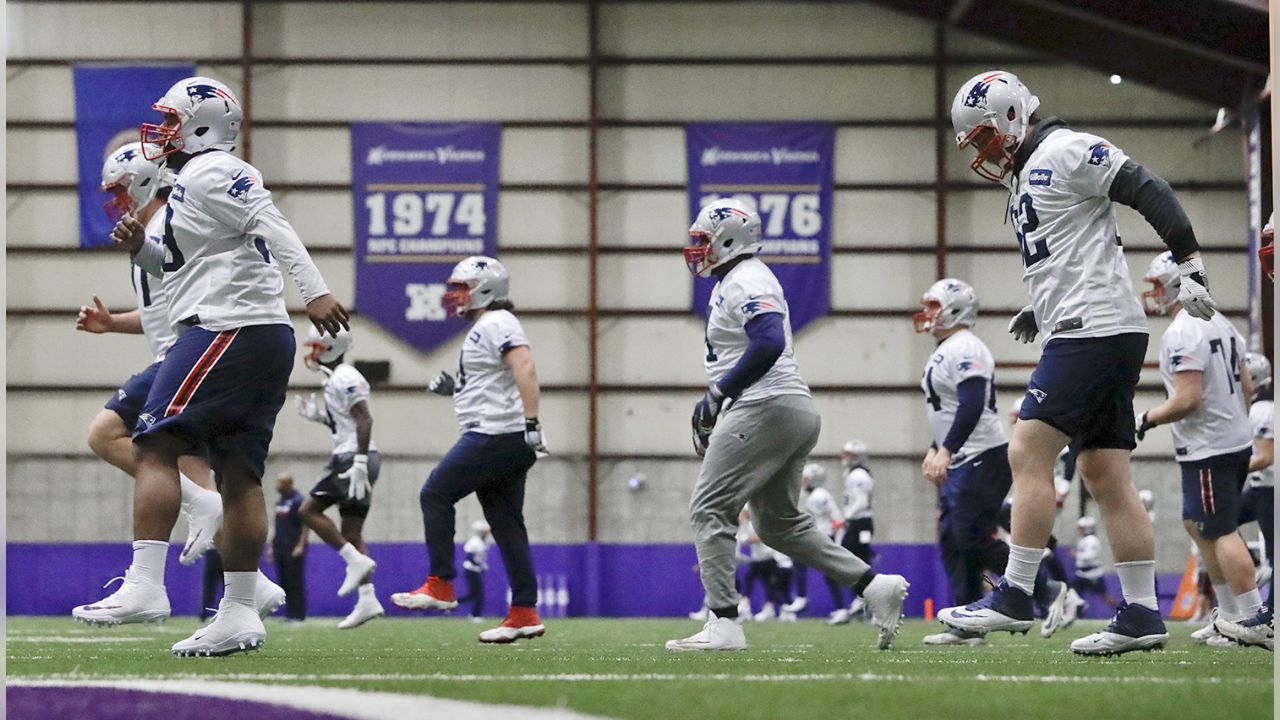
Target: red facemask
{"type": "Point", "coordinates": [164, 139]}
{"type": "Point", "coordinates": [457, 298]}
{"type": "Point", "coordinates": [1267, 259]}
{"type": "Point", "coordinates": [698, 255]}
{"type": "Point", "coordinates": [925, 318]}
{"type": "Point", "coordinates": [1155, 301]}
{"type": "Point", "coordinates": [119, 205]}
{"type": "Point", "coordinates": [994, 152]}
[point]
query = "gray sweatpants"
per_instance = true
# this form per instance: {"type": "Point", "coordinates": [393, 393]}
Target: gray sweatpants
{"type": "Point", "coordinates": [756, 455]}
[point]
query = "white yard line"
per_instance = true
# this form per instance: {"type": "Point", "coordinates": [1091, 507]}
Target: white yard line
{"type": "Point", "coordinates": [354, 704]}
{"type": "Point", "coordinates": [78, 639]}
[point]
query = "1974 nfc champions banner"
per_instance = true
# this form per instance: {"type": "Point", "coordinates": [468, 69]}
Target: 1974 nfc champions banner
{"type": "Point", "coordinates": [784, 171]}
{"type": "Point", "coordinates": [425, 197]}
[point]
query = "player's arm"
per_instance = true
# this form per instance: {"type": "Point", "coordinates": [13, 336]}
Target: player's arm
{"type": "Point", "coordinates": [1154, 199]}
{"type": "Point", "coordinates": [520, 360]}
{"type": "Point", "coordinates": [98, 319]}
{"type": "Point", "coordinates": [324, 310]}
{"type": "Point", "coordinates": [1264, 453]}
{"type": "Point", "coordinates": [766, 341]}
{"type": "Point", "coordinates": [971, 396]}
{"type": "Point", "coordinates": [1187, 397]}
{"type": "Point", "coordinates": [364, 426]}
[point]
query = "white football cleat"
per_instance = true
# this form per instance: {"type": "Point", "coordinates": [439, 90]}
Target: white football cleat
{"type": "Point", "coordinates": [204, 518]}
{"type": "Point", "coordinates": [1056, 610]}
{"type": "Point", "coordinates": [1071, 609]}
{"type": "Point", "coordinates": [952, 636]}
{"type": "Point", "coordinates": [357, 570]}
{"type": "Point", "coordinates": [136, 601]}
{"type": "Point", "coordinates": [521, 622]}
{"type": "Point", "coordinates": [786, 615]}
{"type": "Point", "coordinates": [858, 608]}
{"type": "Point", "coordinates": [1134, 627]}
{"type": "Point", "coordinates": [1258, 630]}
{"type": "Point", "coordinates": [797, 606]}
{"type": "Point", "coordinates": [236, 628]}
{"type": "Point", "coordinates": [839, 617]}
{"type": "Point", "coordinates": [1222, 641]}
{"type": "Point", "coordinates": [267, 596]}
{"type": "Point", "coordinates": [766, 613]}
{"type": "Point", "coordinates": [885, 596]}
{"type": "Point", "coordinates": [1208, 631]}
{"type": "Point", "coordinates": [718, 634]}
{"type": "Point", "coordinates": [366, 609]}
{"type": "Point", "coordinates": [1006, 609]}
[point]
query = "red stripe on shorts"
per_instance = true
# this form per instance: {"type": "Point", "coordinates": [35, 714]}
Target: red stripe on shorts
{"type": "Point", "coordinates": [200, 371]}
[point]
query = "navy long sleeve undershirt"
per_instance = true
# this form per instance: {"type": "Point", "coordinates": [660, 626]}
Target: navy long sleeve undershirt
{"type": "Point", "coordinates": [971, 395]}
{"type": "Point", "coordinates": [766, 339]}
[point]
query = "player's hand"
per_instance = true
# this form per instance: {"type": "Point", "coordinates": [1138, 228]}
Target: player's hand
{"type": "Point", "coordinates": [129, 234]}
{"type": "Point", "coordinates": [1023, 325]}
{"type": "Point", "coordinates": [534, 438]}
{"type": "Point", "coordinates": [837, 523]}
{"type": "Point", "coordinates": [935, 466]}
{"type": "Point", "coordinates": [308, 408]}
{"type": "Point", "coordinates": [1143, 426]}
{"type": "Point", "coordinates": [328, 315]}
{"type": "Point", "coordinates": [96, 319]}
{"type": "Point", "coordinates": [442, 384]}
{"type": "Point", "coordinates": [357, 477]}
{"type": "Point", "coordinates": [1193, 296]}
{"type": "Point", "coordinates": [299, 550]}
{"type": "Point", "coordinates": [705, 414]}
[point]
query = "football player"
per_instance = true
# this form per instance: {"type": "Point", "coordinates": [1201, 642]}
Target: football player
{"type": "Point", "coordinates": [1062, 185]}
{"type": "Point", "coordinates": [223, 381]}
{"type": "Point", "coordinates": [352, 470]}
{"type": "Point", "coordinates": [476, 548]}
{"type": "Point", "coordinates": [859, 518]}
{"type": "Point", "coordinates": [968, 459]}
{"type": "Point", "coordinates": [828, 517]}
{"type": "Point", "coordinates": [755, 450]}
{"type": "Point", "coordinates": [1088, 557]}
{"type": "Point", "coordinates": [1257, 502]}
{"type": "Point", "coordinates": [139, 187]}
{"type": "Point", "coordinates": [1202, 365]}
{"type": "Point", "coordinates": [496, 397]}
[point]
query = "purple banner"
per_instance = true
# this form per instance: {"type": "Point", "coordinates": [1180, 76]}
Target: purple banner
{"type": "Point", "coordinates": [785, 171]}
{"type": "Point", "coordinates": [425, 197]}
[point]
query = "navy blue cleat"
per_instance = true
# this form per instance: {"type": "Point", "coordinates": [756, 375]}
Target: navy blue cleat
{"type": "Point", "coordinates": [1007, 608]}
{"type": "Point", "coordinates": [1133, 628]}
{"type": "Point", "coordinates": [1257, 631]}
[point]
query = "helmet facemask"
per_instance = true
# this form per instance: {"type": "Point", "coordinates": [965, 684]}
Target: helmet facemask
{"type": "Point", "coordinates": [700, 257]}
{"type": "Point", "coordinates": [121, 202]}
{"type": "Point", "coordinates": [163, 139]}
{"type": "Point", "coordinates": [457, 298]}
{"type": "Point", "coordinates": [1156, 301]}
{"type": "Point", "coordinates": [993, 151]}
{"type": "Point", "coordinates": [316, 348]}
{"type": "Point", "coordinates": [926, 319]}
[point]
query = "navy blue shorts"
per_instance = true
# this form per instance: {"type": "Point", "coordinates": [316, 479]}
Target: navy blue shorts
{"type": "Point", "coordinates": [221, 391]}
{"type": "Point", "coordinates": [331, 489]}
{"type": "Point", "coordinates": [132, 395]}
{"type": "Point", "coordinates": [1084, 388]}
{"type": "Point", "coordinates": [982, 483]}
{"type": "Point", "coordinates": [1211, 492]}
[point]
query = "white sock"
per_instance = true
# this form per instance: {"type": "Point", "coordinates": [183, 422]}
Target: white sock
{"type": "Point", "coordinates": [1024, 563]}
{"type": "Point", "coordinates": [349, 553]}
{"type": "Point", "coordinates": [1226, 601]}
{"type": "Point", "coordinates": [1247, 604]}
{"type": "Point", "coordinates": [1138, 583]}
{"type": "Point", "coordinates": [366, 591]}
{"type": "Point", "coordinates": [263, 581]}
{"type": "Point", "coordinates": [149, 557]}
{"type": "Point", "coordinates": [241, 588]}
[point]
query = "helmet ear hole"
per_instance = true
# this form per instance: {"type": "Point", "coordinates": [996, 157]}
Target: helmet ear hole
{"type": "Point", "coordinates": [728, 242]}
{"type": "Point", "coordinates": [1011, 114]}
{"type": "Point", "coordinates": [200, 131]}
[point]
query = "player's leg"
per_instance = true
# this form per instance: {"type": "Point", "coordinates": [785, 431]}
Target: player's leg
{"type": "Point", "coordinates": [367, 605]}
{"type": "Point", "coordinates": [201, 504]}
{"type": "Point", "coordinates": [111, 440]}
{"type": "Point", "coordinates": [800, 574]}
{"type": "Point", "coordinates": [1265, 509]}
{"type": "Point", "coordinates": [475, 593]}
{"type": "Point", "coordinates": [502, 500]}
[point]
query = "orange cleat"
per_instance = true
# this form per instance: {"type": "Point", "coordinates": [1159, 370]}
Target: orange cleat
{"type": "Point", "coordinates": [521, 622]}
{"type": "Point", "coordinates": [435, 594]}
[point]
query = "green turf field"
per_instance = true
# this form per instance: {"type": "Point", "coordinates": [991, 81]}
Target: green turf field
{"type": "Point", "coordinates": [618, 668]}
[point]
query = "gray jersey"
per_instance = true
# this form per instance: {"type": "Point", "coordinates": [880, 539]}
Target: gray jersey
{"type": "Point", "coordinates": [486, 398]}
{"type": "Point", "coordinates": [1075, 271]}
{"type": "Point", "coordinates": [1262, 416]}
{"type": "Point", "coordinates": [153, 307]}
{"type": "Point", "coordinates": [1213, 348]}
{"type": "Point", "coordinates": [747, 291]}
{"type": "Point", "coordinates": [959, 358]}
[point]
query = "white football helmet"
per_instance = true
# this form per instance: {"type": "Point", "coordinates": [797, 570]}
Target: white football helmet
{"type": "Point", "coordinates": [200, 113]}
{"type": "Point", "coordinates": [1259, 368]}
{"type": "Point", "coordinates": [132, 180]}
{"type": "Point", "coordinates": [325, 348]}
{"type": "Point", "coordinates": [853, 453]}
{"type": "Point", "coordinates": [990, 114]}
{"type": "Point", "coordinates": [723, 230]}
{"type": "Point", "coordinates": [480, 527]}
{"type": "Point", "coordinates": [1165, 282]}
{"type": "Point", "coordinates": [814, 475]}
{"type": "Point", "coordinates": [1148, 499]}
{"type": "Point", "coordinates": [475, 283]}
{"type": "Point", "coordinates": [947, 303]}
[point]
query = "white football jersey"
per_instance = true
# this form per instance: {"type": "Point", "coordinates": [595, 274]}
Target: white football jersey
{"type": "Point", "coordinates": [1262, 416]}
{"type": "Point", "coordinates": [823, 508]}
{"type": "Point", "coordinates": [344, 388]}
{"type": "Point", "coordinates": [1089, 557]}
{"type": "Point", "coordinates": [1075, 271]}
{"type": "Point", "coordinates": [1214, 348]}
{"type": "Point", "coordinates": [748, 290]}
{"type": "Point", "coordinates": [214, 271]}
{"type": "Point", "coordinates": [956, 359]}
{"type": "Point", "coordinates": [858, 487]}
{"type": "Point", "coordinates": [485, 396]}
{"type": "Point", "coordinates": [153, 307]}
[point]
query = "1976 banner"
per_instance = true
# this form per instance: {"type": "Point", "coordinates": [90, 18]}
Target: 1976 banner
{"type": "Point", "coordinates": [425, 197]}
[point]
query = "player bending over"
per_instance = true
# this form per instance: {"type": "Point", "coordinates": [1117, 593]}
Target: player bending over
{"type": "Point", "coordinates": [496, 398]}
{"type": "Point", "coordinates": [1062, 186]}
{"type": "Point", "coordinates": [755, 453]}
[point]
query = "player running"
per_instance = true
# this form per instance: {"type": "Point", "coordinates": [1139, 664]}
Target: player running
{"type": "Point", "coordinates": [756, 453]}
{"type": "Point", "coordinates": [826, 514]}
{"type": "Point", "coordinates": [968, 459]}
{"type": "Point", "coordinates": [223, 381]}
{"type": "Point", "coordinates": [496, 397]}
{"type": "Point", "coordinates": [1063, 184]}
{"type": "Point", "coordinates": [352, 470]}
{"type": "Point", "coordinates": [140, 187]}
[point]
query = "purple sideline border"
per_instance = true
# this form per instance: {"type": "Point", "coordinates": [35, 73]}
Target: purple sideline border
{"type": "Point", "coordinates": [603, 580]}
{"type": "Point", "coordinates": [106, 703]}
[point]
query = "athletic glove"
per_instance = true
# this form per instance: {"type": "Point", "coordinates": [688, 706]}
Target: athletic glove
{"type": "Point", "coordinates": [705, 414]}
{"type": "Point", "coordinates": [533, 437]}
{"type": "Point", "coordinates": [357, 477]}
{"type": "Point", "coordinates": [1023, 325]}
{"type": "Point", "coordinates": [1194, 293]}
{"type": "Point", "coordinates": [1143, 426]}
{"type": "Point", "coordinates": [442, 384]}
{"type": "Point", "coordinates": [309, 408]}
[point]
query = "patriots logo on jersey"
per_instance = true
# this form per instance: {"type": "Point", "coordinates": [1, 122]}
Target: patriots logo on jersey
{"type": "Point", "coordinates": [241, 187]}
{"type": "Point", "coordinates": [121, 394]}
{"type": "Point", "coordinates": [753, 306]}
{"type": "Point", "coordinates": [1177, 360]}
{"type": "Point", "coordinates": [1100, 154]}
{"type": "Point", "coordinates": [966, 365]}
